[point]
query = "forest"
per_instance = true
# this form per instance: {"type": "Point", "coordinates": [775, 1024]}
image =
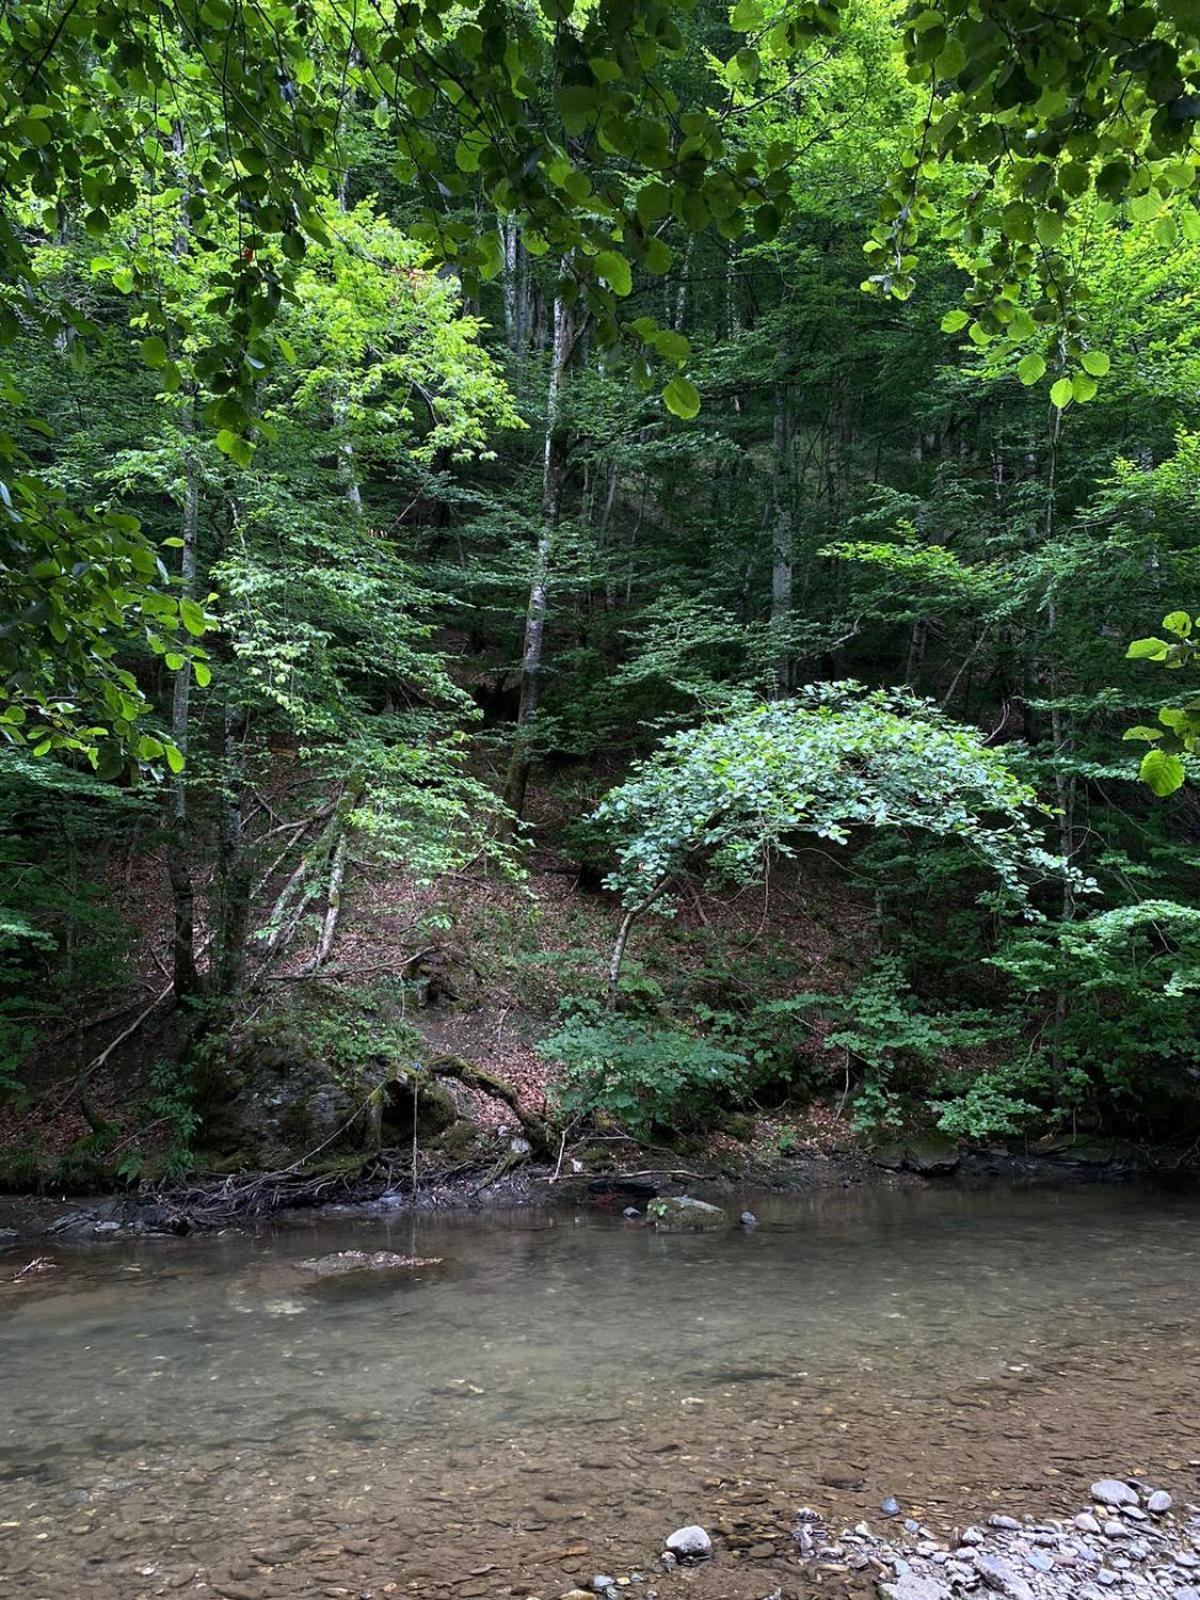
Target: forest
{"type": "Point", "coordinates": [611, 564]}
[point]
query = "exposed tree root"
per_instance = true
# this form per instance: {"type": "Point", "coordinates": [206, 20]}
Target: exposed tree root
{"type": "Point", "coordinates": [535, 1128]}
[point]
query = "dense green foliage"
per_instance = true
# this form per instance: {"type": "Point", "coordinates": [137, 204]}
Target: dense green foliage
{"type": "Point", "coordinates": [405, 403]}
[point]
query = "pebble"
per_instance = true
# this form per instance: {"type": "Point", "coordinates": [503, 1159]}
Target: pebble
{"type": "Point", "coordinates": [1159, 1502]}
{"type": "Point", "coordinates": [691, 1541]}
{"type": "Point", "coordinates": [1039, 1561]}
{"type": "Point", "coordinates": [996, 1520]}
{"type": "Point", "coordinates": [749, 1220]}
{"type": "Point", "coordinates": [602, 1582]}
{"type": "Point", "coordinates": [1087, 1522]}
{"type": "Point", "coordinates": [1112, 1492]}
{"type": "Point", "coordinates": [891, 1506]}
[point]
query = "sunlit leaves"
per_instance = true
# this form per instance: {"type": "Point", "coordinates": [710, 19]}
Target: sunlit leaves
{"type": "Point", "coordinates": [1163, 768]}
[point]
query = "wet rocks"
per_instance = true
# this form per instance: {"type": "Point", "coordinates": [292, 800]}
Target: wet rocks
{"type": "Point", "coordinates": [685, 1214]}
{"type": "Point", "coordinates": [690, 1543]}
{"type": "Point", "coordinates": [341, 1262]}
{"type": "Point", "coordinates": [8, 1237]}
{"type": "Point", "coordinates": [1159, 1502]}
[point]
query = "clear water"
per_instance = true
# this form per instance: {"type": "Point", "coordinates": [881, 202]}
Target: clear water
{"type": "Point", "coordinates": [203, 1417]}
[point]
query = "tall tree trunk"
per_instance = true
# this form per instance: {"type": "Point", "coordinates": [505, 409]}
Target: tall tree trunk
{"type": "Point", "coordinates": [508, 232]}
{"type": "Point", "coordinates": [554, 456]}
{"type": "Point", "coordinates": [781, 540]}
{"type": "Point", "coordinates": [184, 975]}
{"type": "Point", "coordinates": [233, 866]}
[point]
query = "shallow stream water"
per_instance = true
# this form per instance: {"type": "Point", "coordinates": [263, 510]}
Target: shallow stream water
{"type": "Point", "coordinates": [201, 1417]}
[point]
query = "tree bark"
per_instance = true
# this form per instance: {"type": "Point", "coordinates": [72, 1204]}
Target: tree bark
{"type": "Point", "coordinates": [185, 977]}
{"type": "Point", "coordinates": [233, 867]}
{"type": "Point", "coordinates": [781, 541]}
{"type": "Point", "coordinates": [554, 457]}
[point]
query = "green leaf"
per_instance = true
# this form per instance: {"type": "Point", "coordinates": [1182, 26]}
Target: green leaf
{"type": "Point", "coordinates": [235, 447]}
{"type": "Point", "coordinates": [1141, 732]}
{"type": "Point", "coordinates": [615, 271]}
{"type": "Point", "coordinates": [747, 15]}
{"type": "Point", "coordinates": [1062, 393]}
{"type": "Point", "coordinates": [1178, 623]}
{"type": "Point", "coordinates": [192, 617]}
{"type": "Point", "coordinates": [153, 351]}
{"type": "Point", "coordinates": [1031, 368]}
{"type": "Point", "coordinates": [174, 758]}
{"type": "Point", "coordinates": [682, 398]}
{"type": "Point", "coordinates": [653, 203]}
{"type": "Point", "coordinates": [1161, 772]}
{"type": "Point", "coordinates": [1096, 362]}
{"type": "Point", "coordinates": [1083, 387]}
{"type": "Point", "coordinates": [955, 321]}
{"type": "Point", "coordinates": [1147, 650]}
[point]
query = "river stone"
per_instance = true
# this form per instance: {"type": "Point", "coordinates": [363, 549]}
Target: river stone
{"type": "Point", "coordinates": [914, 1586]}
{"type": "Point", "coordinates": [998, 1575]}
{"type": "Point", "coordinates": [932, 1155]}
{"type": "Point", "coordinates": [690, 1541]}
{"type": "Point", "coordinates": [1112, 1492]}
{"type": "Point", "coordinates": [1087, 1522]}
{"type": "Point", "coordinates": [1159, 1502]}
{"type": "Point", "coordinates": [8, 1237]}
{"type": "Point", "coordinates": [685, 1214]}
{"type": "Point", "coordinates": [341, 1262]}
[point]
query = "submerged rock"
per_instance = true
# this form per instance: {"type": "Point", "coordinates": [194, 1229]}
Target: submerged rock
{"type": "Point", "coordinates": [684, 1214]}
{"type": "Point", "coordinates": [691, 1542]}
{"type": "Point", "coordinates": [344, 1261]}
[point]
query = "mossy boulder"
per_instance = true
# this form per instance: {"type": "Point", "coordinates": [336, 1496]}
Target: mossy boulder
{"type": "Point", "coordinates": [932, 1154]}
{"type": "Point", "coordinates": [683, 1213]}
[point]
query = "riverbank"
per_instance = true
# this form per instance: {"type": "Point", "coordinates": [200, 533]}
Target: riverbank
{"type": "Point", "coordinates": [207, 1205]}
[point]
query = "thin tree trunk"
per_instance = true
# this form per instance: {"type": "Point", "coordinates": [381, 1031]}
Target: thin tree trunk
{"type": "Point", "coordinates": [508, 232]}
{"type": "Point", "coordinates": [553, 466]}
{"type": "Point", "coordinates": [185, 978]}
{"type": "Point", "coordinates": [233, 867]}
{"type": "Point", "coordinates": [781, 541]}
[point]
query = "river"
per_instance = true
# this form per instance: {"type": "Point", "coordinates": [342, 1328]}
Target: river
{"type": "Point", "coordinates": [200, 1417]}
